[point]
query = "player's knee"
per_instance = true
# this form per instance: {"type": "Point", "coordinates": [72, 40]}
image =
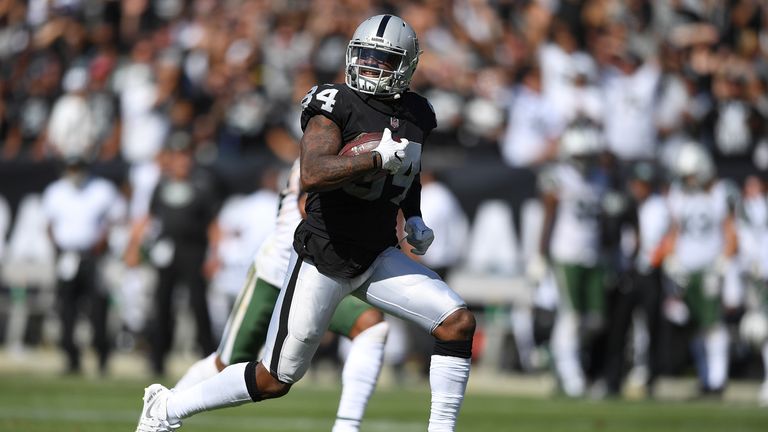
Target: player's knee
{"type": "Point", "coordinates": [464, 327]}
{"type": "Point", "coordinates": [366, 320]}
{"type": "Point", "coordinates": [458, 326]}
{"type": "Point", "coordinates": [308, 334]}
{"type": "Point", "coordinates": [261, 384]}
{"type": "Point", "coordinates": [454, 335]}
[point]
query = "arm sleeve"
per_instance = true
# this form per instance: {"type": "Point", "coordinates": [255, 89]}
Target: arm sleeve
{"type": "Point", "coordinates": [411, 204]}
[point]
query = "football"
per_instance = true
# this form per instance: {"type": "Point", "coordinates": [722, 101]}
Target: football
{"type": "Point", "coordinates": [363, 143]}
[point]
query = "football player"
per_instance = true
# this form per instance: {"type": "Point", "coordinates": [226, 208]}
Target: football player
{"type": "Point", "coordinates": [752, 227]}
{"type": "Point", "coordinates": [698, 252]}
{"type": "Point", "coordinates": [246, 328]}
{"type": "Point", "coordinates": [347, 244]}
{"type": "Point", "coordinates": [572, 193]}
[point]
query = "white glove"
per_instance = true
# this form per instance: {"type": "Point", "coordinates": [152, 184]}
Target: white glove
{"type": "Point", "coordinates": [392, 152]}
{"type": "Point", "coordinates": [419, 236]}
{"type": "Point", "coordinates": [537, 268]}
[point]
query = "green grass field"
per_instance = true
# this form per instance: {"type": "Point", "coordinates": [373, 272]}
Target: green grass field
{"type": "Point", "coordinates": [31, 403]}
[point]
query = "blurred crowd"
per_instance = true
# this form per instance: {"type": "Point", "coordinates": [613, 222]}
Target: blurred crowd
{"type": "Point", "coordinates": [190, 108]}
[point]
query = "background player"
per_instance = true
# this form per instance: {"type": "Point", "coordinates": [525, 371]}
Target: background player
{"type": "Point", "coordinates": [701, 242]}
{"type": "Point", "coordinates": [246, 327]}
{"type": "Point", "coordinates": [572, 192]}
{"type": "Point", "coordinates": [752, 227]}
{"type": "Point", "coordinates": [347, 242]}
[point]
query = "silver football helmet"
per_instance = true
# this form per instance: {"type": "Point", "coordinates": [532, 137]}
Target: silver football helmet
{"type": "Point", "coordinates": [382, 56]}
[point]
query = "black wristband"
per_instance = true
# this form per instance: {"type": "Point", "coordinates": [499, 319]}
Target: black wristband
{"type": "Point", "coordinates": [376, 160]}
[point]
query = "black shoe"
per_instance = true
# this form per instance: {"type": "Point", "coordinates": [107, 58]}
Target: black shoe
{"type": "Point", "coordinates": [707, 393]}
{"type": "Point", "coordinates": [73, 370]}
{"type": "Point", "coordinates": [103, 365]}
{"type": "Point", "coordinates": [158, 368]}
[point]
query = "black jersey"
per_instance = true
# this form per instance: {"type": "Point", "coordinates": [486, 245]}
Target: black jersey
{"type": "Point", "coordinates": [346, 228]}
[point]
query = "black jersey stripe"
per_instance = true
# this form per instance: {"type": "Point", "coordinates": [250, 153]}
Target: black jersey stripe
{"type": "Point", "coordinates": [383, 25]}
{"type": "Point", "coordinates": [285, 310]}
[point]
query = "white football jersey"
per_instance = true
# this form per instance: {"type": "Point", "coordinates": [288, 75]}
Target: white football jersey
{"type": "Point", "coordinates": [576, 232]}
{"type": "Point", "coordinates": [245, 223]}
{"type": "Point", "coordinates": [272, 258]}
{"type": "Point", "coordinates": [699, 215]}
{"type": "Point", "coordinates": [752, 228]}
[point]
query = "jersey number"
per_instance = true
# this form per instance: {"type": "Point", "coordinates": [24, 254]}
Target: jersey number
{"type": "Point", "coordinates": [372, 190]}
{"type": "Point", "coordinates": [327, 96]}
{"type": "Point", "coordinates": [698, 225]}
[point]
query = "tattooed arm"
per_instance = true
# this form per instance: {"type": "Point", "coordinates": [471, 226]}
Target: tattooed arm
{"type": "Point", "coordinates": [321, 167]}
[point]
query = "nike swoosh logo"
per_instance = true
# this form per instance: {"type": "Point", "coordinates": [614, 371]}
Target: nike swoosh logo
{"type": "Point", "coordinates": [149, 405]}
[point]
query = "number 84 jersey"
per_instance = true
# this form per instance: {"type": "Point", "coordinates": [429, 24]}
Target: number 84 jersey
{"type": "Point", "coordinates": [362, 215]}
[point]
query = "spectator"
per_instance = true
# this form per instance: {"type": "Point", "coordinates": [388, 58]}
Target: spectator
{"type": "Point", "coordinates": [105, 108]}
{"type": "Point", "coordinates": [183, 205]}
{"type": "Point", "coordinates": [568, 75]}
{"type": "Point", "coordinates": [79, 209]}
{"type": "Point", "coordinates": [629, 87]}
{"type": "Point", "coordinates": [71, 127]}
{"type": "Point", "coordinates": [736, 124]}
{"type": "Point", "coordinates": [679, 104]}
{"type": "Point", "coordinates": [32, 102]}
{"type": "Point", "coordinates": [640, 297]}
{"type": "Point", "coordinates": [533, 125]}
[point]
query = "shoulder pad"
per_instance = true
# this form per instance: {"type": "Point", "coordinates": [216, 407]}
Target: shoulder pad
{"type": "Point", "coordinates": [325, 100]}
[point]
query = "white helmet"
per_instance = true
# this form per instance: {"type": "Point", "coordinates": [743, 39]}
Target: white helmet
{"type": "Point", "coordinates": [581, 140]}
{"type": "Point", "coordinates": [754, 328]}
{"type": "Point", "coordinates": [382, 56]}
{"type": "Point", "coordinates": [693, 162]}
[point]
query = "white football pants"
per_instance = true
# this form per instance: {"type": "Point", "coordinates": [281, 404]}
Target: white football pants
{"type": "Point", "coordinates": [394, 284]}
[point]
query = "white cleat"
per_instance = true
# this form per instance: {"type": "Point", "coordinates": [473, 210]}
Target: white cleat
{"type": "Point", "coordinates": [154, 416]}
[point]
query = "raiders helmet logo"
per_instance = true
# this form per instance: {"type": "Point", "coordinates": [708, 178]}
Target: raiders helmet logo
{"type": "Point", "coordinates": [394, 122]}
